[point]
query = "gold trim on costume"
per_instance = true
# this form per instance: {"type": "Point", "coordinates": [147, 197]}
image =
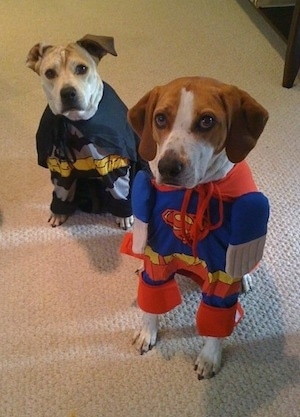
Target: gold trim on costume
{"type": "Point", "coordinates": [221, 276]}
{"type": "Point", "coordinates": [102, 166]}
{"type": "Point", "coordinates": [157, 259]}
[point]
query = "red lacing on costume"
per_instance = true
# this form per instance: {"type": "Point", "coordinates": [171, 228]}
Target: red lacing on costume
{"type": "Point", "coordinates": [202, 224]}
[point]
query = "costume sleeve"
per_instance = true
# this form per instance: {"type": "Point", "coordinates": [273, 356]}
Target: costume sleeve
{"type": "Point", "coordinates": [250, 214]}
{"type": "Point", "coordinates": [63, 195]}
{"type": "Point", "coordinates": [142, 196]}
{"type": "Point", "coordinates": [142, 199]}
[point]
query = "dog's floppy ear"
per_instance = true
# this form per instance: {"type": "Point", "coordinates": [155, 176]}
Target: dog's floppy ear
{"type": "Point", "coordinates": [246, 121]}
{"type": "Point", "coordinates": [140, 118]}
{"type": "Point", "coordinates": [98, 46]}
{"type": "Point", "coordinates": [35, 56]}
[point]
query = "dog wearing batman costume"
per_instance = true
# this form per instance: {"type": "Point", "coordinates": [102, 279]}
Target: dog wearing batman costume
{"type": "Point", "coordinates": [83, 137]}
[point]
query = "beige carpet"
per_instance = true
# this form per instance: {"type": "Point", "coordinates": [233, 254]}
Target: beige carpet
{"type": "Point", "coordinates": [68, 298]}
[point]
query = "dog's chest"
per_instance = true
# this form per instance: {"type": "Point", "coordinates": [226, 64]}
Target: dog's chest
{"type": "Point", "coordinates": [74, 146]}
{"type": "Point", "coordinates": [182, 218]}
{"type": "Point", "coordinates": [78, 155]}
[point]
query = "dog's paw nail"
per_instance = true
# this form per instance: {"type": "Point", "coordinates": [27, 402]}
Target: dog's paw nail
{"type": "Point", "coordinates": [195, 367]}
{"type": "Point", "coordinates": [200, 377]}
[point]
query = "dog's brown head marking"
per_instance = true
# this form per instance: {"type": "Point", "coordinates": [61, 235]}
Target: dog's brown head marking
{"type": "Point", "coordinates": [141, 119]}
{"type": "Point", "coordinates": [223, 116]}
{"type": "Point", "coordinates": [96, 46]}
{"type": "Point", "coordinates": [35, 56]}
{"type": "Point", "coordinates": [246, 122]}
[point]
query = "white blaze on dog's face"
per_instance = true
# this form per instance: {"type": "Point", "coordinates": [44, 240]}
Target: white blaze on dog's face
{"type": "Point", "coordinates": [194, 129]}
{"type": "Point", "coordinates": [187, 152]}
{"type": "Point", "coordinates": [71, 82]}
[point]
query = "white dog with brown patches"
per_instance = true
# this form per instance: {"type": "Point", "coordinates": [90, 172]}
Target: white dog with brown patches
{"type": "Point", "coordinates": [69, 75]}
{"type": "Point", "coordinates": [200, 214]}
{"type": "Point", "coordinates": [83, 137]}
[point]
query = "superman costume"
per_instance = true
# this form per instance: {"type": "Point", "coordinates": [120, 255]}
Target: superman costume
{"type": "Point", "coordinates": [103, 148]}
{"type": "Point", "coordinates": [213, 233]}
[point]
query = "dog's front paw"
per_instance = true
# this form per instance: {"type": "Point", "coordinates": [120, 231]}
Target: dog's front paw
{"type": "Point", "coordinates": [247, 283]}
{"type": "Point", "coordinates": [125, 223]}
{"type": "Point", "coordinates": [208, 362]}
{"type": "Point", "coordinates": [145, 339]}
{"type": "Point", "coordinates": [57, 219]}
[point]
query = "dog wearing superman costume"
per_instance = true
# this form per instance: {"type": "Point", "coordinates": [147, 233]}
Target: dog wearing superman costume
{"type": "Point", "coordinates": [200, 213]}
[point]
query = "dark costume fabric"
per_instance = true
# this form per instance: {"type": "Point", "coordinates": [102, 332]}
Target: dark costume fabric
{"type": "Point", "coordinates": [102, 148]}
{"type": "Point", "coordinates": [189, 231]}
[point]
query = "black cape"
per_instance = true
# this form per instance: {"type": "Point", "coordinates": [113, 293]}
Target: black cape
{"type": "Point", "coordinates": [108, 128]}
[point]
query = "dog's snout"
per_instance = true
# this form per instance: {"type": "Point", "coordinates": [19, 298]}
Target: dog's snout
{"type": "Point", "coordinates": [170, 166]}
{"type": "Point", "coordinates": [68, 94]}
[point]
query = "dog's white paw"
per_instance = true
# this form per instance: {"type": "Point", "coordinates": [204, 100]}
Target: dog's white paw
{"type": "Point", "coordinates": [125, 222]}
{"type": "Point", "coordinates": [140, 269]}
{"type": "Point", "coordinates": [246, 283]}
{"type": "Point", "coordinates": [208, 362]}
{"type": "Point", "coordinates": [145, 339]}
{"type": "Point", "coordinates": [57, 219]}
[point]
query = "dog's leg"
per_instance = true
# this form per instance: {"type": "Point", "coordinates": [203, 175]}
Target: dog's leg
{"type": "Point", "coordinates": [61, 196]}
{"type": "Point", "coordinates": [57, 219]}
{"type": "Point", "coordinates": [124, 223]}
{"type": "Point", "coordinates": [121, 191]}
{"type": "Point", "coordinates": [208, 362]}
{"type": "Point", "coordinates": [247, 283]}
{"type": "Point", "coordinates": [146, 338]}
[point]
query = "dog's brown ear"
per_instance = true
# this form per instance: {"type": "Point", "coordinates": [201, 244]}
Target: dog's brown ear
{"type": "Point", "coordinates": [140, 118]}
{"type": "Point", "coordinates": [98, 46]}
{"type": "Point", "coordinates": [35, 55]}
{"type": "Point", "coordinates": [246, 121]}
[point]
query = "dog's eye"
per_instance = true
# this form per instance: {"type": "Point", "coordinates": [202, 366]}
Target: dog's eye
{"type": "Point", "coordinates": [81, 70]}
{"type": "Point", "coordinates": [206, 122]}
{"type": "Point", "coordinates": [50, 74]}
{"type": "Point", "coordinates": [160, 120]}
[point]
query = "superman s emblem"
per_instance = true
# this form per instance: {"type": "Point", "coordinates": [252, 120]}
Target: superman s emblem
{"type": "Point", "coordinates": [173, 219]}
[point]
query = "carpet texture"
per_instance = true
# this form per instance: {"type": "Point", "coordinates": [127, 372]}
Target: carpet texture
{"type": "Point", "coordinates": [68, 307]}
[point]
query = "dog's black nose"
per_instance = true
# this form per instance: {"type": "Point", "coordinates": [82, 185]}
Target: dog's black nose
{"type": "Point", "coordinates": [68, 95]}
{"type": "Point", "coordinates": [169, 166]}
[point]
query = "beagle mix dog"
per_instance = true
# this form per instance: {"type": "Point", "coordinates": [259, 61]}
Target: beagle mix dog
{"type": "Point", "coordinates": [83, 137]}
{"type": "Point", "coordinates": [200, 214]}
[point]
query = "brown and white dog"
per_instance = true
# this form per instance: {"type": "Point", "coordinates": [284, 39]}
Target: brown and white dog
{"type": "Point", "coordinates": [84, 130]}
{"type": "Point", "coordinates": [194, 131]}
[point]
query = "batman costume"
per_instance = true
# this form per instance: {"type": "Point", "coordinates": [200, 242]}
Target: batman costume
{"type": "Point", "coordinates": [92, 162]}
